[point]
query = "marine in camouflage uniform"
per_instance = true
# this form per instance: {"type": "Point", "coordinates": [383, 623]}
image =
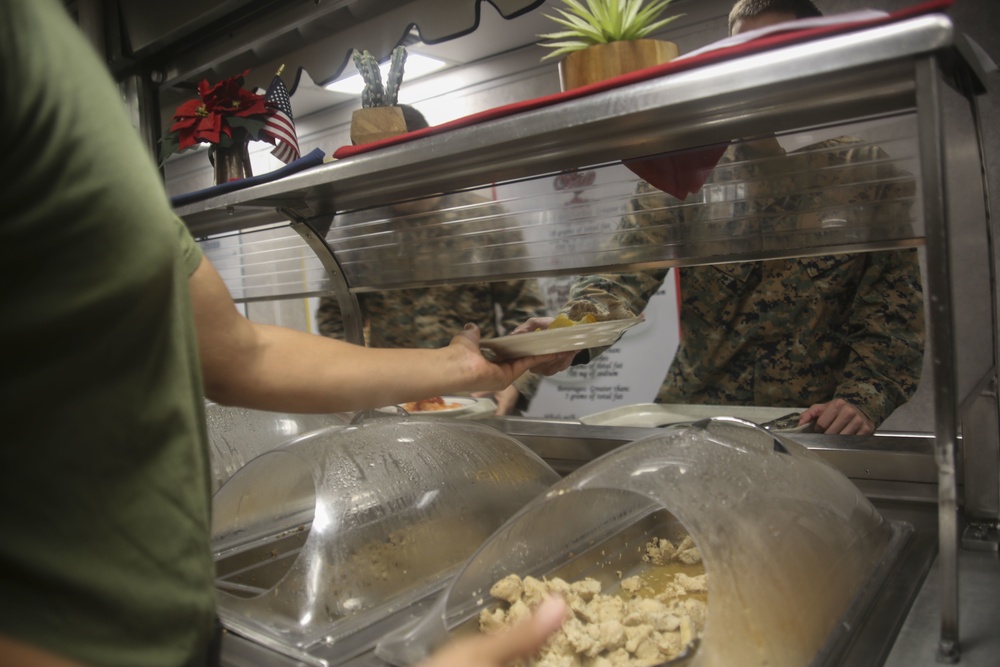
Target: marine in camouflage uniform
{"type": "Point", "coordinates": [429, 317]}
{"type": "Point", "coordinates": [786, 332]}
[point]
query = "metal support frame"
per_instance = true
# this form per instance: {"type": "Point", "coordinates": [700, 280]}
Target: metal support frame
{"type": "Point", "coordinates": [350, 309]}
{"type": "Point", "coordinates": [930, 129]}
{"type": "Point", "coordinates": [980, 437]}
{"type": "Point", "coordinates": [141, 97]}
{"type": "Point", "coordinates": [982, 487]}
{"type": "Point", "coordinates": [139, 86]}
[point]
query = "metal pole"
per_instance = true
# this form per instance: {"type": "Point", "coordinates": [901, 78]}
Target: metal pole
{"type": "Point", "coordinates": [930, 128]}
{"type": "Point", "coordinates": [350, 309]}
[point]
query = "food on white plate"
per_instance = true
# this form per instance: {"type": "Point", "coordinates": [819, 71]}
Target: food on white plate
{"type": "Point", "coordinates": [563, 320]}
{"type": "Point", "coordinates": [430, 405]}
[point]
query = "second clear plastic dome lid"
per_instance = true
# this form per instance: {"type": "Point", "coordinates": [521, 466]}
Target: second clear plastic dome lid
{"type": "Point", "coordinates": [786, 543]}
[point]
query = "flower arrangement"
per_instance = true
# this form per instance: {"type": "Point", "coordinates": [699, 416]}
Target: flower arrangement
{"type": "Point", "coordinates": [602, 22]}
{"type": "Point", "coordinates": [221, 115]}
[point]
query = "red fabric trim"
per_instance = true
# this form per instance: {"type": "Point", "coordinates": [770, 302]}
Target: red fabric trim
{"type": "Point", "coordinates": [679, 173]}
{"type": "Point", "coordinates": [764, 43]}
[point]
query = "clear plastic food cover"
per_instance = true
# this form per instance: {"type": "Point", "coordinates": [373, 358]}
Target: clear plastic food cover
{"type": "Point", "coordinates": [787, 543]}
{"type": "Point", "coordinates": [322, 543]}
{"type": "Point", "coordinates": [237, 435]}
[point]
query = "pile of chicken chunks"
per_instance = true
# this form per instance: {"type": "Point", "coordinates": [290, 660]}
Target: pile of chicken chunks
{"type": "Point", "coordinates": [637, 627]}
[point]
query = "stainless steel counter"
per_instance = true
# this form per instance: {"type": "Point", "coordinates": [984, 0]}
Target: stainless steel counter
{"type": "Point", "coordinates": [900, 626]}
{"type": "Point", "coordinates": [911, 641]}
{"type": "Point", "coordinates": [866, 644]}
{"type": "Point", "coordinates": [979, 609]}
{"type": "Point", "coordinates": [869, 644]}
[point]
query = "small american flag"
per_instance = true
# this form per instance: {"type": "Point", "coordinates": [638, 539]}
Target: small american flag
{"type": "Point", "coordinates": [280, 125]}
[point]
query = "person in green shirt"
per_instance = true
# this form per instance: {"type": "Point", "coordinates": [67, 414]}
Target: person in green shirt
{"type": "Point", "coordinates": [115, 329]}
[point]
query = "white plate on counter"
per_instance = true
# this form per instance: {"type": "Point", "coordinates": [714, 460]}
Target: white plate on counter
{"type": "Point", "coordinates": [562, 339]}
{"type": "Point", "coordinates": [650, 415]}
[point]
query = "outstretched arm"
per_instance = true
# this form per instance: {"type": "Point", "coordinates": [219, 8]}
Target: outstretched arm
{"type": "Point", "coordinates": [275, 368]}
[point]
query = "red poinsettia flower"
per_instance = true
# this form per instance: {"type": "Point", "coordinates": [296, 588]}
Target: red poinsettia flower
{"type": "Point", "coordinates": [212, 117]}
{"type": "Point", "coordinates": [229, 98]}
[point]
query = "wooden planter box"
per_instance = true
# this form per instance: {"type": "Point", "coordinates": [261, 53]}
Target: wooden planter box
{"type": "Point", "coordinates": [605, 61]}
{"type": "Point", "coordinates": [375, 123]}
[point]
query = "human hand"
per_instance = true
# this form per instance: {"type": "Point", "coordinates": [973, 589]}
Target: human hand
{"type": "Point", "coordinates": [838, 417]}
{"type": "Point", "coordinates": [485, 375]}
{"type": "Point", "coordinates": [562, 360]}
{"type": "Point", "coordinates": [506, 399]}
{"type": "Point", "coordinates": [503, 648]}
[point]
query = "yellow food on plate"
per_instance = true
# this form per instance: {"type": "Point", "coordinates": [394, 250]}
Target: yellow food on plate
{"type": "Point", "coordinates": [563, 320]}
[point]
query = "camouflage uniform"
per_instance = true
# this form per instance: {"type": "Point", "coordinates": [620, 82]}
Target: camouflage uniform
{"type": "Point", "coordinates": [429, 317]}
{"type": "Point", "coordinates": [786, 332]}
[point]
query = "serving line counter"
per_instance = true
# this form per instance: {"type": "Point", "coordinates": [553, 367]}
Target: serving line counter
{"type": "Point", "coordinates": [898, 474]}
{"type": "Point", "coordinates": [905, 87]}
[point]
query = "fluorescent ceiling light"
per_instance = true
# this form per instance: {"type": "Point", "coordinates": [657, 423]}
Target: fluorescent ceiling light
{"type": "Point", "coordinates": [415, 67]}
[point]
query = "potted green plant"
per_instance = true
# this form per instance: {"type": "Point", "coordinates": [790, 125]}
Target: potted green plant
{"type": "Point", "coordinates": [605, 38]}
{"type": "Point", "coordinates": [379, 116]}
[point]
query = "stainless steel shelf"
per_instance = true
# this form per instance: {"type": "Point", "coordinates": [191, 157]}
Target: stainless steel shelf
{"type": "Point", "coordinates": [854, 75]}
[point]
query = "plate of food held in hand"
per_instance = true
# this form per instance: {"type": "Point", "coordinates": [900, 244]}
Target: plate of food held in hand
{"type": "Point", "coordinates": [563, 335]}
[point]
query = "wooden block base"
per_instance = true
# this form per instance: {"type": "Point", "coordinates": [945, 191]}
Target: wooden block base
{"type": "Point", "coordinates": [375, 123]}
{"type": "Point", "coordinates": [605, 61]}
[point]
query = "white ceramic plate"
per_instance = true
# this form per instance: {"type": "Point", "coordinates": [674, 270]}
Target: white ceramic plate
{"type": "Point", "coordinates": [563, 339]}
{"type": "Point", "coordinates": [465, 404]}
{"type": "Point", "coordinates": [650, 415]}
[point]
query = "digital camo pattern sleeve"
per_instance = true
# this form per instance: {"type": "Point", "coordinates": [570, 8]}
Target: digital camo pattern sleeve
{"type": "Point", "coordinates": [657, 220]}
{"type": "Point", "coordinates": [838, 185]}
{"type": "Point", "coordinates": [801, 331]}
{"type": "Point", "coordinates": [653, 218]}
{"type": "Point", "coordinates": [859, 183]}
{"type": "Point", "coordinates": [519, 300]}
{"type": "Point", "coordinates": [329, 321]}
{"type": "Point", "coordinates": [864, 345]}
{"type": "Point", "coordinates": [886, 336]}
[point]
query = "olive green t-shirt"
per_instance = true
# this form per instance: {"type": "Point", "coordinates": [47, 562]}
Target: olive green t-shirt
{"type": "Point", "coordinates": [104, 482]}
